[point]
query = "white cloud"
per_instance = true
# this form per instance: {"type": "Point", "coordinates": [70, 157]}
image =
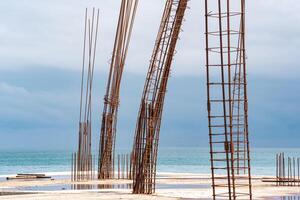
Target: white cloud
{"type": "Point", "coordinates": [12, 90]}
{"type": "Point", "coordinates": [19, 103]}
{"type": "Point", "coordinates": [49, 33]}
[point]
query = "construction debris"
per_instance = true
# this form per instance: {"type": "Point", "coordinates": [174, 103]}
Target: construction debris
{"type": "Point", "coordinates": [227, 102]}
{"type": "Point", "coordinates": [28, 177]}
{"type": "Point", "coordinates": [149, 118]}
{"type": "Point", "coordinates": [111, 99]}
{"type": "Point", "coordinates": [82, 165]}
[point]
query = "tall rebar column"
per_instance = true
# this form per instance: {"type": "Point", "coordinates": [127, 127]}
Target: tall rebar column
{"type": "Point", "coordinates": [82, 161]}
{"type": "Point", "coordinates": [227, 102]}
{"type": "Point", "coordinates": [149, 118]}
{"type": "Point", "coordinates": [111, 99]}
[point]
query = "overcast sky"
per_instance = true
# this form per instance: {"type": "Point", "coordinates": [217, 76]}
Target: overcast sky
{"type": "Point", "coordinates": [40, 57]}
{"type": "Point", "coordinates": [48, 33]}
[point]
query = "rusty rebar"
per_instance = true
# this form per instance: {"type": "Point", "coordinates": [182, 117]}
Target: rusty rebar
{"type": "Point", "coordinates": [111, 99]}
{"type": "Point", "coordinates": [227, 101]}
{"type": "Point", "coordinates": [144, 154]}
{"type": "Point", "coordinates": [82, 160]}
{"type": "Point", "coordinates": [287, 171]}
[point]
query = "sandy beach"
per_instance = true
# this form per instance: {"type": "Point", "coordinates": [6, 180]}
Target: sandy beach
{"type": "Point", "coordinates": [169, 186]}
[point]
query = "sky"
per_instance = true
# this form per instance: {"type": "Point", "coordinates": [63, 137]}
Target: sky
{"type": "Point", "coordinates": [40, 61]}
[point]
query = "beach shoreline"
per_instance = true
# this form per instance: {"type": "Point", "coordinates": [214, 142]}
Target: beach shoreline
{"type": "Point", "coordinates": [169, 186]}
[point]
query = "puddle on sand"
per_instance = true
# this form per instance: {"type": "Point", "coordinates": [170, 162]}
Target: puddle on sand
{"type": "Point", "coordinates": [182, 186]}
{"type": "Point", "coordinates": [73, 187]}
{"type": "Point", "coordinates": [101, 186]}
{"type": "Point", "coordinates": [286, 198]}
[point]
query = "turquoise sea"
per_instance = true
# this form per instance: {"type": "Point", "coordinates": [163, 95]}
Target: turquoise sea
{"type": "Point", "coordinates": [190, 160]}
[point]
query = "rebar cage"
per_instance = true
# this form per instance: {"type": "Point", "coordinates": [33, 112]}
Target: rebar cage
{"type": "Point", "coordinates": [227, 102]}
{"type": "Point", "coordinates": [149, 119]}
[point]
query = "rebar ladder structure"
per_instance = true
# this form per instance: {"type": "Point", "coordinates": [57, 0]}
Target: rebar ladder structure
{"type": "Point", "coordinates": [149, 118]}
{"type": "Point", "coordinates": [237, 111]}
{"type": "Point", "coordinates": [111, 99]}
{"type": "Point", "coordinates": [227, 102]}
{"type": "Point", "coordinates": [82, 161]}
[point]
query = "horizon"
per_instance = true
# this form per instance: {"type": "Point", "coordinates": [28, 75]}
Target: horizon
{"type": "Point", "coordinates": [89, 109]}
{"type": "Point", "coordinates": [51, 126]}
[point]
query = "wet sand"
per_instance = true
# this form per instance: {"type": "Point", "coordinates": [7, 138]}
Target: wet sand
{"type": "Point", "coordinates": [169, 186]}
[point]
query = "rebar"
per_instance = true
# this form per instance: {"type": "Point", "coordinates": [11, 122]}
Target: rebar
{"type": "Point", "coordinates": [293, 171]}
{"type": "Point", "coordinates": [82, 160]}
{"type": "Point", "coordinates": [124, 169]}
{"type": "Point", "coordinates": [111, 99]}
{"type": "Point", "coordinates": [227, 101]}
{"type": "Point", "coordinates": [145, 146]}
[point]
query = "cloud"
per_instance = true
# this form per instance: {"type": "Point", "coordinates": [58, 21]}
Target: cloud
{"type": "Point", "coordinates": [41, 104]}
{"type": "Point", "coordinates": [32, 108]}
{"type": "Point", "coordinates": [7, 89]}
{"type": "Point", "coordinates": [49, 33]}
{"type": "Point", "coordinates": [40, 58]}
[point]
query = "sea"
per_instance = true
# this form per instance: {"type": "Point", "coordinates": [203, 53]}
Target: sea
{"type": "Point", "coordinates": [172, 159]}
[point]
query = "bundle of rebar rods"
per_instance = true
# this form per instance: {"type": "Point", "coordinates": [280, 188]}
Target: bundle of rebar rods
{"type": "Point", "coordinates": [88, 174]}
{"type": "Point", "coordinates": [287, 170]}
{"type": "Point", "coordinates": [149, 118]}
{"type": "Point", "coordinates": [124, 166]}
{"type": "Point", "coordinates": [111, 99]}
{"type": "Point", "coordinates": [82, 164]}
